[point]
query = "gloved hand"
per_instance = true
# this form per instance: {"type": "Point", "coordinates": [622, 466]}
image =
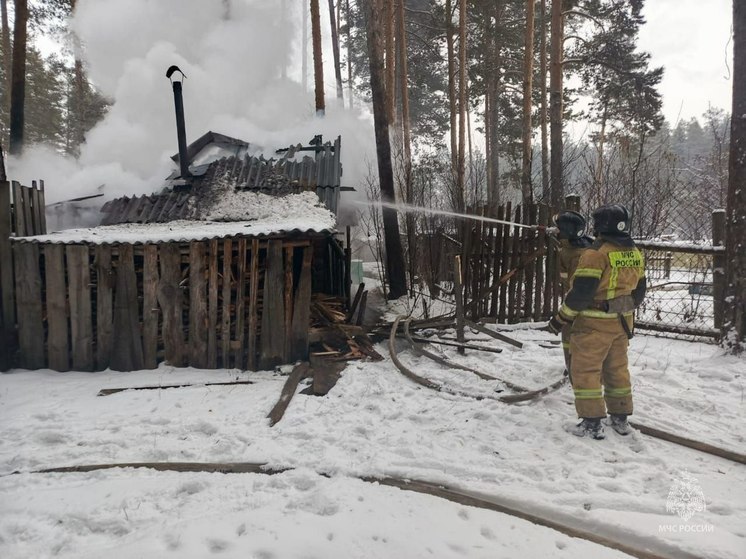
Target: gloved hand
{"type": "Point", "coordinates": [557, 322]}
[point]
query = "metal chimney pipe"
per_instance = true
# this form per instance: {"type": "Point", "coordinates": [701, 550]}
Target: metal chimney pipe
{"type": "Point", "coordinates": [180, 124]}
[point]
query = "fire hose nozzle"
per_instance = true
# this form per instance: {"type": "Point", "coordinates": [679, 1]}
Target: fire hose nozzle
{"type": "Point", "coordinates": [547, 230]}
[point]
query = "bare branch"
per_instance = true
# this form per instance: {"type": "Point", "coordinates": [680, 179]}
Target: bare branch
{"type": "Point", "coordinates": [584, 15]}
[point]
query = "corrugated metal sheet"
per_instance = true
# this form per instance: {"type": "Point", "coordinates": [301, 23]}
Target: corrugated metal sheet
{"type": "Point", "coordinates": [156, 208]}
{"type": "Point", "coordinates": [286, 175]}
{"type": "Point", "coordinates": [86, 239]}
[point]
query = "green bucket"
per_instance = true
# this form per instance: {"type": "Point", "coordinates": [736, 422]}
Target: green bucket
{"type": "Point", "coordinates": [356, 272]}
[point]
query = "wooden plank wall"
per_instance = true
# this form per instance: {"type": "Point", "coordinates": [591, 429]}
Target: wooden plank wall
{"type": "Point", "coordinates": [242, 303]}
{"type": "Point", "coordinates": [28, 301]}
{"type": "Point", "coordinates": [21, 214]}
{"type": "Point", "coordinates": [273, 316]}
{"type": "Point", "coordinates": [79, 298]}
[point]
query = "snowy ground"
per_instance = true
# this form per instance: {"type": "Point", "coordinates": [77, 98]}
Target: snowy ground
{"type": "Point", "coordinates": [373, 423]}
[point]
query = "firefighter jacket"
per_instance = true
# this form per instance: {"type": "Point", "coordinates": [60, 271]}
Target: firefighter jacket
{"type": "Point", "coordinates": [609, 280]}
{"type": "Point", "coordinates": [569, 256]}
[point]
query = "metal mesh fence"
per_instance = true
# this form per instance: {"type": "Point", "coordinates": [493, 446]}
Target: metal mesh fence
{"type": "Point", "coordinates": [680, 292]}
{"type": "Point", "coordinates": [675, 233]}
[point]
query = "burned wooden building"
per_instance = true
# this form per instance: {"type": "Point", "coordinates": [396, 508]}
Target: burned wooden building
{"type": "Point", "coordinates": [216, 270]}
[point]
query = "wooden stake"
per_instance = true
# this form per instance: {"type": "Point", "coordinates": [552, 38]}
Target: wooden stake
{"type": "Point", "coordinates": [457, 289]}
{"type": "Point", "coordinates": [288, 391]}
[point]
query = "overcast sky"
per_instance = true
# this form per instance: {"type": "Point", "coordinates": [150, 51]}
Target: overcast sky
{"type": "Point", "coordinates": [691, 39]}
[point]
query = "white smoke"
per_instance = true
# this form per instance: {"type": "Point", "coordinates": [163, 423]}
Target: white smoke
{"type": "Point", "coordinates": [233, 53]}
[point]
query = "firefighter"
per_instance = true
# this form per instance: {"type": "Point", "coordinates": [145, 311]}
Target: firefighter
{"type": "Point", "coordinates": [607, 286]}
{"type": "Point", "coordinates": [573, 242]}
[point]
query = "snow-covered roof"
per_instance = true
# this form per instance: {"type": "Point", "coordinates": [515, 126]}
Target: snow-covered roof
{"type": "Point", "coordinates": [218, 178]}
{"type": "Point", "coordinates": [233, 214]}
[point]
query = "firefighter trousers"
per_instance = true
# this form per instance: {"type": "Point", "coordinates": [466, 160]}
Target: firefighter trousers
{"type": "Point", "coordinates": [566, 329]}
{"type": "Point", "coordinates": [599, 371]}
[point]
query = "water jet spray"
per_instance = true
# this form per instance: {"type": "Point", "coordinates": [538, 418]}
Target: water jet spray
{"type": "Point", "coordinates": [410, 208]}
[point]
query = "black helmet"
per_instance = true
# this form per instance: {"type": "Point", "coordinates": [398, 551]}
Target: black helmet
{"type": "Point", "coordinates": [571, 224]}
{"type": "Point", "coordinates": [611, 220]}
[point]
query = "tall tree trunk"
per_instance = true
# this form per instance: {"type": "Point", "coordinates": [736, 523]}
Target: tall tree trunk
{"type": "Point", "coordinates": [490, 108]}
{"type": "Point", "coordinates": [349, 59]}
{"type": "Point", "coordinates": [598, 177]}
{"type": "Point", "coordinates": [487, 31]}
{"type": "Point", "coordinates": [494, 130]}
{"type": "Point", "coordinates": [734, 329]}
{"type": "Point", "coordinates": [394, 254]}
{"type": "Point", "coordinates": [335, 49]}
{"type": "Point", "coordinates": [79, 118]}
{"type": "Point", "coordinates": [472, 175]}
{"type": "Point", "coordinates": [18, 84]}
{"type": "Point", "coordinates": [318, 63]}
{"type": "Point", "coordinates": [487, 147]}
{"type": "Point", "coordinates": [7, 54]}
{"type": "Point", "coordinates": [403, 65]}
{"type": "Point", "coordinates": [462, 106]}
{"type": "Point", "coordinates": [79, 94]}
{"type": "Point", "coordinates": [451, 85]}
{"type": "Point", "coordinates": [528, 72]}
{"type": "Point", "coordinates": [3, 175]}
{"type": "Point", "coordinates": [304, 47]}
{"type": "Point", "coordinates": [555, 104]}
{"type": "Point", "coordinates": [388, 39]}
{"type": "Point", "coordinates": [494, 139]}
{"type": "Point", "coordinates": [637, 196]}
{"type": "Point", "coordinates": [543, 118]}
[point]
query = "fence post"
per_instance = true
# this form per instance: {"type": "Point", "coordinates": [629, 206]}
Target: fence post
{"type": "Point", "coordinates": [572, 202]}
{"type": "Point", "coordinates": [458, 291]}
{"type": "Point", "coordinates": [718, 267]}
{"type": "Point", "coordinates": [7, 288]}
{"type": "Point", "coordinates": [348, 271]}
{"type": "Point", "coordinates": [667, 264]}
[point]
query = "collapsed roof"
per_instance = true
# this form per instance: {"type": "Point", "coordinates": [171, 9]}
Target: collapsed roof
{"type": "Point", "coordinates": [217, 187]}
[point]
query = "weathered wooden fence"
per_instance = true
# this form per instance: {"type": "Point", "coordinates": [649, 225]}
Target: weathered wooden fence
{"type": "Point", "coordinates": [21, 214]}
{"type": "Point", "coordinates": [214, 303]}
{"type": "Point", "coordinates": [509, 273]}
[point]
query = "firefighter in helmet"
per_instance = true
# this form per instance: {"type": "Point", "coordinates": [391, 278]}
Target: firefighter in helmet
{"type": "Point", "coordinates": [607, 286]}
{"type": "Point", "coordinates": [573, 242]}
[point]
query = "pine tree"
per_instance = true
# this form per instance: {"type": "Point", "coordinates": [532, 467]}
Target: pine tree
{"type": "Point", "coordinates": [5, 52]}
{"type": "Point", "coordinates": [18, 78]}
{"type": "Point", "coordinates": [84, 106]}
{"type": "Point", "coordinates": [528, 72]}
{"type": "Point", "coordinates": [556, 94]}
{"type": "Point", "coordinates": [395, 268]}
{"type": "Point", "coordinates": [335, 48]}
{"type": "Point", "coordinates": [60, 104]}
{"type": "Point", "coordinates": [734, 329]}
{"type": "Point", "coordinates": [427, 66]}
{"type": "Point", "coordinates": [45, 100]}
{"type": "Point", "coordinates": [318, 67]}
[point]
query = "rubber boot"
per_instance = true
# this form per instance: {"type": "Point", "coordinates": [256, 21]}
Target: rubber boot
{"type": "Point", "coordinates": [618, 422]}
{"type": "Point", "coordinates": [590, 427]}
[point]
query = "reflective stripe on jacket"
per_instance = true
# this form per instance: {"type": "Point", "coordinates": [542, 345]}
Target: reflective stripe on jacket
{"type": "Point", "coordinates": [610, 268]}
